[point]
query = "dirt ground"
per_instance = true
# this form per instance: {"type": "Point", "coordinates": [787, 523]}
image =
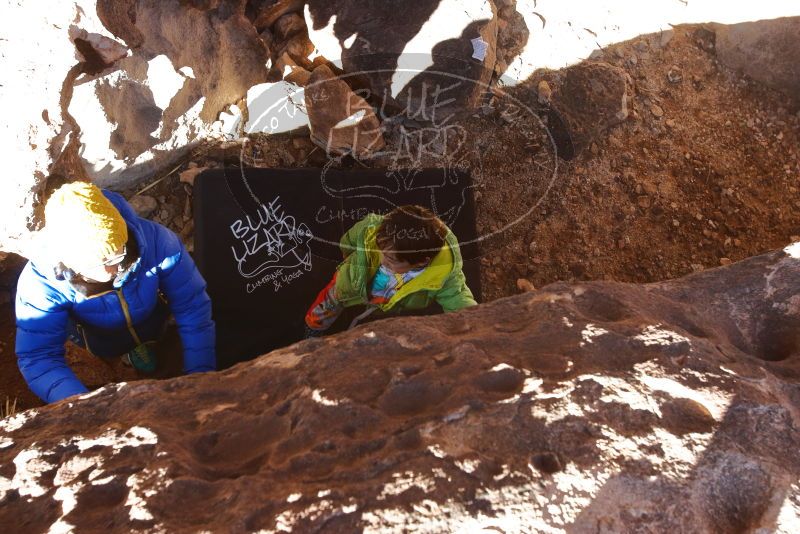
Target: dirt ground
{"type": "Point", "coordinates": [704, 172]}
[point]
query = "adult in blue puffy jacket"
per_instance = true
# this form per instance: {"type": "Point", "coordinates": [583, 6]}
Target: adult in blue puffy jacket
{"type": "Point", "coordinates": [111, 283]}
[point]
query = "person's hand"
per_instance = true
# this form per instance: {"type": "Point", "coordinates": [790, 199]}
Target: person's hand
{"type": "Point", "coordinates": [142, 358]}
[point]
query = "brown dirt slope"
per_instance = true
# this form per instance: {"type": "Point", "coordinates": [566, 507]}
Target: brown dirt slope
{"type": "Point", "coordinates": [706, 167]}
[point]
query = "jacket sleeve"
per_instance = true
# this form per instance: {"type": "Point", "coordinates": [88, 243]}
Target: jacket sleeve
{"type": "Point", "coordinates": [185, 289]}
{"type": "Point", "coordinates": [42, 317]}
{"type": "Point", "coordinates": [455, 294]}
{"type": "Point", "coordinates": [349, 241]}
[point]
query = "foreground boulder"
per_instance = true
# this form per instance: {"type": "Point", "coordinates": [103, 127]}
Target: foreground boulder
{"type": "Point", "coordinates": [582, 408]}
{"type": "Point", "coordinates": [588, 99]}
{"type": "Point", "coordinates": [767, 50]}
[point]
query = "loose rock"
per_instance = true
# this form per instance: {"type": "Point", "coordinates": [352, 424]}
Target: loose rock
{"type": "Point", "coordinates": [143, 205]}
{"type": "Point", "coordinates": [657, 111]}
{"type": "Point", "coordinates": [341, 121]}
{"type": "Point", "coordinates": [545, 93]}
{"type": "Point", "coordinates": [266, 12]}
{"type": "Point", "coordinates": [589, 98]}
{"type": "Point", "coordinates": [546, 462]}
{"type": "Point", "coordinates": [288, 26]}
{"type": "Point", "coordinates": [190, 174]}
{"type": "Point", "coordinates": [525, 285]}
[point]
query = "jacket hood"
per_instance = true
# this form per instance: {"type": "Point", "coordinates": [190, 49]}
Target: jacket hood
{"type": "Point", "coordinates": [356, 271]}
{"type": "Point", "coordinates": [134, 230]}
{"type": "Point", "coordinates": [454, 256]}
{"type": "Point", "coordinates": [373, 221]}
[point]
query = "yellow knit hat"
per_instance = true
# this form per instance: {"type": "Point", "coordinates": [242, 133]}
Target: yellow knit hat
{"type": "Point", "coordinates": [84, 227]}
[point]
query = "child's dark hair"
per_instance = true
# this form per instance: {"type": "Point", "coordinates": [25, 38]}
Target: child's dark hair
{"type": "Point", "coordinates": [412, 234]}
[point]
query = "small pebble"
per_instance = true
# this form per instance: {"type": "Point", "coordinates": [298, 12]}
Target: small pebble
{"type": "Point", "coordinates": [544, 92]}
{"type": "Point", "coordinates": [525, 285]}
{"type": "Point", "coordinates": [143, 205]}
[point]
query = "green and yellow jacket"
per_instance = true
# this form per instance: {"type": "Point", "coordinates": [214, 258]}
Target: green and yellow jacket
{"type": "Point", "coordinates": [443, 280]}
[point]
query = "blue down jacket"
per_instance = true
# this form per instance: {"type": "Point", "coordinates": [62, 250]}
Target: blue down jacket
{"type": "Point", "coordinates": [45, 306]}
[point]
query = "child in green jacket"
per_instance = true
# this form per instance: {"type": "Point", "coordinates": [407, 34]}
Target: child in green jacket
{"type": "Point", "coordinates": [401, 261]}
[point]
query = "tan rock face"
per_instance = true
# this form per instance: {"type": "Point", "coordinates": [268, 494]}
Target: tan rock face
{"type": "Point", "coordinates": [341, 121]}
{"type": "Point", "coordinates": [121, 90]}
{"type": "Point", "coordinates": [670, 407]}
{"type": "Point", "coordinates": [39, 135]}
{"type": "Point", "coordinates": [186, 66]}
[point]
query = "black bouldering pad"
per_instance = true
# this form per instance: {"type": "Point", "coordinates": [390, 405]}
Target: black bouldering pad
{"type": "Point", "coordinates": [267, 240]}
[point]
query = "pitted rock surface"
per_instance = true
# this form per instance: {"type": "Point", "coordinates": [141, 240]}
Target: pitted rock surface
{"type": "Point", "coordinates": [577, 408]}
